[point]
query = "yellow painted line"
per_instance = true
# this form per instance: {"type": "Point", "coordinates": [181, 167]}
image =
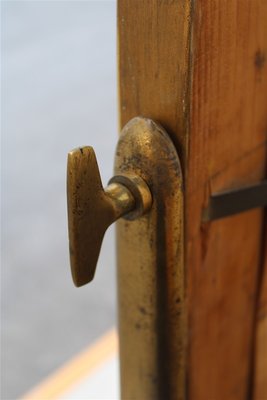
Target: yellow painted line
{"type": "Point", "coordinates": [76, 369]}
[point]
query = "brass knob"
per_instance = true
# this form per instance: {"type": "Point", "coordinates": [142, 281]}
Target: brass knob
{"type": "Point", "coordinates": [91, 209]}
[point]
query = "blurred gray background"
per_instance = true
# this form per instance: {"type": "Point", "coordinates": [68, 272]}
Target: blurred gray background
{"type": "Point", "coordinates": [58, 92]}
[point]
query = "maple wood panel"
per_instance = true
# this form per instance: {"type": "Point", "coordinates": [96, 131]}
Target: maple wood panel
{"type": "Point", "coordinates": [200, 69]}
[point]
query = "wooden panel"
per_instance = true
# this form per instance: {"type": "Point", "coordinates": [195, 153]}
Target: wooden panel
{"type": "Point", "coordinates": [201, 72]}
{"type": "Point", "coordinates": [228, 129]}
{"type": "Point", "coordinates": [153, 63]}
{"type": "Point", "coordinates": [260, 372]}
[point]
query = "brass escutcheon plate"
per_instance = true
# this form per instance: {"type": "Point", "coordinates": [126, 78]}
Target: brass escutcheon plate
{"type": "Point", "coordinates": [151, 269]}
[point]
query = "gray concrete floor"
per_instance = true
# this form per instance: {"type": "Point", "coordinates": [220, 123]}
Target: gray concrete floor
{"type": "Point", "coordinates": [58, 92]}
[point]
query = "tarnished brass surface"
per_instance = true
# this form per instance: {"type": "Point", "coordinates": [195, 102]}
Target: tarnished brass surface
{"type": "Point", "coordinates": [91, 209]}
{"type": "Point", "coordinates": [151, 269]}
{"type": "Point", "coordinates": [139, 189]}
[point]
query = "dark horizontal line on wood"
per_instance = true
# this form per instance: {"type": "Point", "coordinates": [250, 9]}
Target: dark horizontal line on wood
{"type": "Point", "coordinates": [235, 201]}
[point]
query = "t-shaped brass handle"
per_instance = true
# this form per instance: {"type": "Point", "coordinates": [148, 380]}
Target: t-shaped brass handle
{"type": "Point", "coordinates": [91, 209]}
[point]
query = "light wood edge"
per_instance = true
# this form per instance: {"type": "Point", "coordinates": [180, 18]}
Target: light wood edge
{"type": "Point", "coordinates": [76, 369]}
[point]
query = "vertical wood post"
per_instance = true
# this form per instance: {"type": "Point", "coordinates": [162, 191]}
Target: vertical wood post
{"type": "Point", "coordinates": [200, 69]}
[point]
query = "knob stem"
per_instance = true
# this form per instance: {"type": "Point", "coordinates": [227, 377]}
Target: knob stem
{"type": "Point", "coordinates": [122, 199]}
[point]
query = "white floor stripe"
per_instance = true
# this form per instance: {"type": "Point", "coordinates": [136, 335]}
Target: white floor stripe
{"type": "Point", "coordinates": [102, 384]}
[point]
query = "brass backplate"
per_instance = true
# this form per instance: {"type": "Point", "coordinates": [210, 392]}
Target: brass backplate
{"type": "Point", "coordinates": [151, 269]}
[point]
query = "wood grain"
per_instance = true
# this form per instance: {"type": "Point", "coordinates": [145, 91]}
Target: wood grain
{"type": "Point", "coordinates": [228, 127]}
{"type": "Point", "coordinates": [260, 357]}
{"type": "Point", "coordinates": [200, 69]}
{"type": "Point", "coordinates": [153, 42]}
